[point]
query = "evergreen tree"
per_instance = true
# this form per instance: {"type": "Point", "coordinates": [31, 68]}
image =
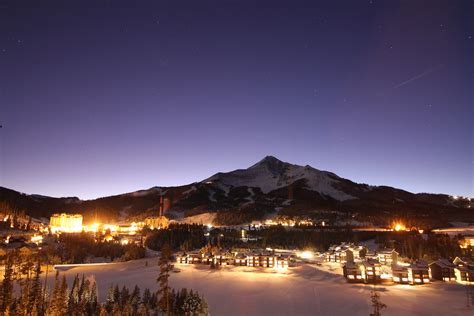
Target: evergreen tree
{"type": "Point", "coordinates": [103, 311]}
{"type": "Point", "coordinates": [22, 305]}
{"type": "Point", "coordinates": [72, 308]}
{"type": "Point", "coordinates": [109, 301]}
{"type": "Point", "coordinates": [62, 303]}
{"type": "Point", "coordinates": [7, 286]}
{"type": "Point", "coordinates": [135, 300]}
{"type": "Point", "coordinates": [146, 299]}
{"type": "Point", "coordinates": [124, 296]}
{"type": "Point", "coordinates": [376, 304]}
{"type": "Point", "coordinates": [35, 299]}
{"type": "Point", "coordinates": [55, 297]}
{"type": "Point", "coordinates": [165, 269]}
{"type": "Point", "coordinates": [93, 306]}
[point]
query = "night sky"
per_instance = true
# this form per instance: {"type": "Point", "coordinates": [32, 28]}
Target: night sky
{"type": "Point", "coordinates": [106, 97]}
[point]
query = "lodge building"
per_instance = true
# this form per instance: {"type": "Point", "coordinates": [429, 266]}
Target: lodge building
{"type": "Point", "coordinates": [442, 270]}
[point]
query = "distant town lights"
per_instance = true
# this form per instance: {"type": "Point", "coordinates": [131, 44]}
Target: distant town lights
{"type": "Point", "coordinates": [398, 227]}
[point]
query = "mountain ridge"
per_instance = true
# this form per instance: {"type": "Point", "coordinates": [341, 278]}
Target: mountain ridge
{"type": "Point", "coordinates": [269, 186]}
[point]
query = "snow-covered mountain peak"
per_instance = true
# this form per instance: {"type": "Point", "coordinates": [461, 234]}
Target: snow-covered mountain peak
{"type": "Point", "coordinates": [271, 164]}
{"type": "Point", "coordinates": [271, 173]}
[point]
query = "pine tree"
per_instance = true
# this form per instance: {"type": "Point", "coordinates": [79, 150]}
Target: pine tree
{"type": "Point", "coordinates": [146, 298]}
{"type": "Point", "coordinates": [72, 308]}
{"type": "Point", "coordinates": [22, 305]}
{"type": "Point", "coordinates": [124, 296]}
{"type": "Point", "coordinates": [109, 301]}
{"type": "Point", "coordinates": [7, 286]}
{"type": "Point", "coordinates": [84, 296]}
{"type": "Point", "coordinates": [35, 299]}
{"type": "Point", "coordinates": [62, 303]}
{"type": "Point", "coordinates": [93, 306]}
{"type": "Point", "coordinates": [165, 269]}
{"type": "Point", "coordinates": [135, 300]}
{"type": "Point", "coordinates": [55, 297]}
{"type": "Point", "coordinates": [376, 304]}
{"type": "Point", "coordinates": [103, 311]}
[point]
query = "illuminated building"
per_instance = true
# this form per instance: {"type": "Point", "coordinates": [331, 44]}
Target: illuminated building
{"type": "Point", "coordinates": [282, 262]}
{"type": "Point", "coordinates": [264, 260]}
{"type": "Point", "coordinates": [399, 274]}
{"type": "Point", "coordinates": [370, 271]}
{"type": "Point", "coordinates": [352, 272]}
{"type": "Point", "coordinates": [66, 223]}
{"type": "Point", "coordinates": [240, 259]}
{"type": "Point", "coordinates": [464, 270]}
{"type": "Point", "coordinates": [128, 229]}
{"type": "Point", "coordinates": [181, 258]}
{"type": "Point", "coordinates": [418, 273]}
{"type": "Point", "coordinates": [464, 275]}
{"type": "Point", "coordinates": [467, 241]}
{"type": "Point", "coordinates": [442, 270]}
{"type": "Point", "coordinates": [159, 222]}
{"type": "Point", "coordinates": [387, 256]}
{"type": "Point", "coordinates": [345, 252]}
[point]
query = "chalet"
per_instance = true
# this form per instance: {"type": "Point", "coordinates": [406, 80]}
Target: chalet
{"type": "Point", "coordinates": [282, 261]}
{"type": "Point", "coordinates": [400, 274]}
{"type": "Point", "coordinates": [336, 256]}
{"type": "Point", "coordinates": [222, 258]}
{"type": "Point", "coordinates": [352, 272]}
{"type": "Point", "coordinates": [207, 258]}
{"type": "Point", "coordinates": [464, 274]}
{"type": "Point", "coordinates": [356, 252]}
{"type": "Point", "coordinates": [387, 256]}
{"type": "Point", "coordinates": [464, 262]}
{"type": "Point", "coordinates": [240, 259]}
{"type": "Point", "coordinates": [442, 270]}
{"type": "Point", "coordinates": [464, 270]}
{"type": "Point", "coordinates": [253, 260]}
{"type": "Point", "coordinates": [338, 253]}
{"type": "Point", "coordinates": [182, 258]}
{"type": "Point", "coordinates": [370, 271]}
{"type": "Point", "coordinates": [194, 257]}
{"type": "Point", "coordinates": [267, 261]}
{"type": "Point", "coordinates": [418, 273]}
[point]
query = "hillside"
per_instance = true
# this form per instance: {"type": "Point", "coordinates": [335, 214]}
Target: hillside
{"type": "Point", "coordinates": [268, 188]}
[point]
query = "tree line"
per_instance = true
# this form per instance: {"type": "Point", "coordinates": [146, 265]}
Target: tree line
{"type": "Point", "coordinates": [177, 236]}
{"type": "Point", "coordinates": [34, 298]}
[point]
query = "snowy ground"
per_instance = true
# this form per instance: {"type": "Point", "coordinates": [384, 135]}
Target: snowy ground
{"type": "Point", "coordinates": [303, 290]}
{"type": "Point", "coordinates": [203, 219]}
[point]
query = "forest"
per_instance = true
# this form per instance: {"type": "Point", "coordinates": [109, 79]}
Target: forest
{"type": "Point", "coordinates": [33, 296]}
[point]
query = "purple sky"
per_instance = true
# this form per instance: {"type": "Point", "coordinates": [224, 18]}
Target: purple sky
{"type": "Point", "coordinates": [106, 97]}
